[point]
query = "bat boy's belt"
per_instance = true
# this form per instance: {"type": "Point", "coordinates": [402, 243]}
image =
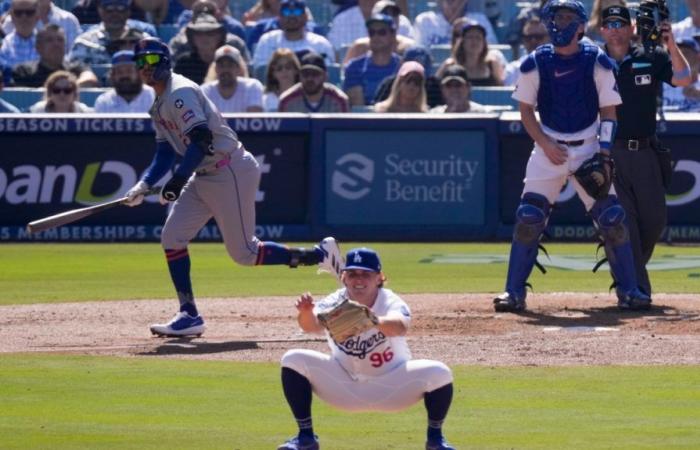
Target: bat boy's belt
{"type": "Point", "coordinates": [219, 164]}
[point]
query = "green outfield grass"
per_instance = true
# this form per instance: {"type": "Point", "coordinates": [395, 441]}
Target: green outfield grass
{"type": "Point", "coordinates": [70, 402]}
{"type": "Point", "coordinates": [31, 273]}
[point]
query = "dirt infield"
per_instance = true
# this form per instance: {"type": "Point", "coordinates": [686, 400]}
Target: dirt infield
{"type": "Point", "coordinates": [559, 329]}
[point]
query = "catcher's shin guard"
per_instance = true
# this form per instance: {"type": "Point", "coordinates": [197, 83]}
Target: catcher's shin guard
{"type": "Point", "coordinates": [530, 222]}
{"type": "Point", "coordinates": [610, 219]}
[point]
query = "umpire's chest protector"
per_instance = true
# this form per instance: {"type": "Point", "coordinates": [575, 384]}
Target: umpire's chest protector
{"type": "Point", "coordinates": [567, 99]}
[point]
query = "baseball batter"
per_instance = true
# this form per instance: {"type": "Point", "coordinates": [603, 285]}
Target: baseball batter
{"type": "Point", "coordinates": [571, 83]}
{"type": "Point", "coordinates": [216, 177]}
{"type": "Point", "coordinates": [371, 371]}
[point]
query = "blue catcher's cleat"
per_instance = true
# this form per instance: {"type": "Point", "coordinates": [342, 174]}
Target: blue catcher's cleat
{"type": "Point", "coordinates": [181, 325]}
{"type": "Point", "coordinates": [508, 302]}
{"type": "Point", "coordinates": [635, 300]}
{"type": "Point", "coordinates": [440, 444]}
{"type": "Point", "coordinates": [300, 443]}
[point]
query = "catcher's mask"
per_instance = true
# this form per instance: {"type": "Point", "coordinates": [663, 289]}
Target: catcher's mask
{"type": "Point", "coordinates": [363, 258]}
{"type": "Point", "coordinates": [561, 37]}
{"type": "Point", "coordinates": [153, 52]}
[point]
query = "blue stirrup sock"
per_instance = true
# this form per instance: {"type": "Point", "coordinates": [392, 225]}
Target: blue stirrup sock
{"type": "Point", "coordinates": [297, 391]}
{"type": "Point", "coordinates": [437, 403]}
{"type": "Point", "coordinates": [179, 266]}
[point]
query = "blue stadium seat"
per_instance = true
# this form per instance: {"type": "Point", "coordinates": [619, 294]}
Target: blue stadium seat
{"type": "Point", "coordinates": [102, 73]}
{"type": "Point", "coordinates": [23, 98]}
{"type": "Point", "coordinates": [440, 53]}
{"type": "Point", "coordinates": [335, 73]}
{"type": "Point", "coordinates": [259, 72]}
{"type": "Point", "coordinates": [167, 31]}
{"type": "Point", "coordinates": [500, 95]}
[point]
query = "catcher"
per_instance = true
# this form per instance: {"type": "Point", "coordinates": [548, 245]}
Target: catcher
{"type": "Point", "coordinates": [572, 85]}
{"type": "Point", "coordinates": [370, 366]}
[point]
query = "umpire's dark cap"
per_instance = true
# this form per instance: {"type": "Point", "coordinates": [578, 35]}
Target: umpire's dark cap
{"type": "Point", "coordinates": [382, 18]}
{"type": "Point", "coordinates": [363, 258]}
{"type": "Point", "coordinates": [454, 72]}
{"type": "Point", "coordinates": [313, 60]}
{"type": "Point", "coordinates": [616, 12]}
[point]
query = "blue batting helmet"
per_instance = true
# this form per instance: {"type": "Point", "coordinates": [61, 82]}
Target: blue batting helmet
{"type": "Point", "coordinates": [561, 37]}
{"type": "Point", "coordinates": [154, 46]}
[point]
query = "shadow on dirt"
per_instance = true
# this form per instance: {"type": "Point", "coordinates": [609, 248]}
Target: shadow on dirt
{"type": "Point", "coordinates": [608, 316]}
{"type": "Point", "coordinates": [190, 346]}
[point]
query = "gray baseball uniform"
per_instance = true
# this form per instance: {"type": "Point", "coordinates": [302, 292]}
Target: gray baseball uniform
{"type": "Point", "coordinates": [224, 184]}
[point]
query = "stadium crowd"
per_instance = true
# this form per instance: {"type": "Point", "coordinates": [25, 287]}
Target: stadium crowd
{"type": "Point", "coordinates": [367, 55]}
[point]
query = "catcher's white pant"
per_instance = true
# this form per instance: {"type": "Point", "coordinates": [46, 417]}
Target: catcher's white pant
{"type": "Point", "coordinates": [544, 177]}
{"type": "Point", "coordinates": [393, 391]}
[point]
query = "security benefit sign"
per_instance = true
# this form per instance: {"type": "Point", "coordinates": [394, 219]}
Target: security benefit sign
{"type": "Point", "coordinates": [405, 177]}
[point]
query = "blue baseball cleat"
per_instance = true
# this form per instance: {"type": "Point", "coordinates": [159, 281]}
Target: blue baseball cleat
{"type": "Point", "coordinates": [181, 325]}
{"type": "Point", "coordinates": [633, 301]}
{"type": "Point", "coordinates": [440, 444]}
{"type": "Point", "coordinates": [300, 443]}
{"type": "Point", "coordinates": [508, 302]}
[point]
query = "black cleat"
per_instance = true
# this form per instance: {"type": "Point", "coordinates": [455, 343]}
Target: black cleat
{"type": "Point", "coordinates": [507, 302]}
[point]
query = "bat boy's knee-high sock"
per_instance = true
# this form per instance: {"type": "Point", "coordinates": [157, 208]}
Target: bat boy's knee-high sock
{"type": "Point", "coordinates": [297, 390]}
{"type": "Point", "coordinates": [272, 253]}
{"type": "Point", "coordinates": [179, 265]}
{"type": "Point", "coordinates": [437, 403]}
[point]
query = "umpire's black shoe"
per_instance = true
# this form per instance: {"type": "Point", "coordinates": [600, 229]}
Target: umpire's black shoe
{"type": "Point", "coordinates": [507, 302]}
{"type": "Point", "coordinates": [633, 301]}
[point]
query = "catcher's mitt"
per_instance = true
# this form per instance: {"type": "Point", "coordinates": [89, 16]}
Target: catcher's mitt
{"type": "Point", "coordinates": [345, 318]}
{"type": "Point", "coordinates": [595, 175]}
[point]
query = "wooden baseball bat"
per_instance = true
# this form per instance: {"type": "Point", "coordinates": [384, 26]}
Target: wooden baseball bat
{"type": "Point", "coordinates": [73, 215]}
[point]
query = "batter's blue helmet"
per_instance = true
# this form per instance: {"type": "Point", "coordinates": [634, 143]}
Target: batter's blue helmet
{"type": "Point", "coordinates": [561, 37]}
{"type": "Point", "coordinates": [154, 46]}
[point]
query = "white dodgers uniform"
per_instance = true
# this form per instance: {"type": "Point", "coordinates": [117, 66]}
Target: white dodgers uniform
{"type": "Point", "coordinates": [370, 371]}
{"type": "Point", "coordinates": [224, 184]}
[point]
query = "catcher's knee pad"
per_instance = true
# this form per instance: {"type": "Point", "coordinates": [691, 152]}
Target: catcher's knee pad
{"type": "Point", "coordinates": [610, 217]}
{"type": "Point", "coordinates": [530, 218]}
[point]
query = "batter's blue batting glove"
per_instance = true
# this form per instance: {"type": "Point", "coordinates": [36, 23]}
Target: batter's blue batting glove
{"type": "Point", "coordinates": [171, 189]}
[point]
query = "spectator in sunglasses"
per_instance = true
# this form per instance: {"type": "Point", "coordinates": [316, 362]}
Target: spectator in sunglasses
{"type": "Point", "coordinates": [313, 94]}
{"type": "Point", "coordinates": [363, 75]}
{"type": "Point", "coordinates": [534, 34]}
{"type": "Point", "coordinates": [292, 35]}
{"type": "Point", "coordinates": [408, 91]}
{"type": "Point", "coordinates": [282, 73]}
{"type": "Point", "coordinates": [20, 45]}
{"type": "Point", "coordinates": [93, 46]}
{"type": "Point", "coordinates": [61, 95]}
{"type": "Point", "coordinates": [348, 26]}
{"type": "Point", "coordinates": [48, 13]}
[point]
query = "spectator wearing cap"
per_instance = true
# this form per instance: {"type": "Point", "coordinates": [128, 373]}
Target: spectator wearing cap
{"type": "Point", "coordinates": [128, 93]}
{"type": "Point", "coordinates": [640, 159]}
{"type": "Point", "coordinates": [349, 26]}
{"type": "Point", "coordinates": [5, 106]}
{"type": "Point", "coordinates": [456, 91]}
{"type": "Point", "coordinates": [534, 34]}
{"type": "Point", "coordinates": [49, 13]}
{"type": "Point", "coordinates": [689, 27]}
{"type": "Point", "coordinates": [484, 65]}
{"type": "Point", "coordinates": [407, 92]}
{"type": "Point", "coordinates": [93, 46]}
{"type": "Point", "coordinates": [514, 32]}
{"type": "Point", "coordinates": [255, 29]}
{"type": "Point", "coordinates": [432, 83]}
{"type": "Point", "coordinates": [217, 8]}
{"type": "Point", "coordinates": [87, 12]}
{"type": "Point", "coordinates": [61, 95]}
{"type": "Point", "coordinates": [364, 74]}
{"type": "Point", "coordinates": [205, 35]}
{"type": "Point", "coordinates": [202, 22]}
{"type": "Point", "coordinates": [50, 45]}
{"type": "Point", "coordinates": [20, 45]}
{"type": "Point", "coordinates": [685, 98]}
{"type": "Point", "coordinates": [292, 35]}
{"type": "Point", "coordinates": [403, 40]}
{"type": "Point", "coordinates": [282, 73]}
{"type": "Point", "coordinates": [313, 94]}
{"type": "Point", "coordinates": [434, 27]}
{"type": "Point", "coordinates": [231, 92]}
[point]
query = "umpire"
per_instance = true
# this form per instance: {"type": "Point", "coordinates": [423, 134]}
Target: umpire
{"type": "Point", "coordinates": [643, 167]}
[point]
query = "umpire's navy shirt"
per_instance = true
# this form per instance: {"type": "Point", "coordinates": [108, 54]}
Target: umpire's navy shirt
{"type": "Point", "coordinates": [639, 79]}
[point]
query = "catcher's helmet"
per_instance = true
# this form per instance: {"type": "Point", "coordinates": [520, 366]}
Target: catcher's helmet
{"type": "Point", "coordinates": [154, 46]}
{"type": "Point", "coordinates": [561, 37]}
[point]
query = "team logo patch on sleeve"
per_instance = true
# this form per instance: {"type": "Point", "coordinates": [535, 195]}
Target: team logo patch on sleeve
{"type": "Point", "coordinates": [189, 114]}
{"type": "Point", "coordinates": [179, 103]}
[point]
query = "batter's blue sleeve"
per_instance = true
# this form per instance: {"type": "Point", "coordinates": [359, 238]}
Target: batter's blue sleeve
{"type": "Point", "coordinates": [162, 162]}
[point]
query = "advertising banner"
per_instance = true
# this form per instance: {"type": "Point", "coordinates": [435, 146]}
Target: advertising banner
{"type": "Point", "coordinates": [403, 177]}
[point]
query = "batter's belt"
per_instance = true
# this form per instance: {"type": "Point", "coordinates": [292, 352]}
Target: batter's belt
{"type": "Point", "coordinates": [219, 164]}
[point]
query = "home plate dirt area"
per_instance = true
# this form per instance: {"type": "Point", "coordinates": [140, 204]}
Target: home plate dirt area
{"type": "Point", "coordinates": [558, 329]}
